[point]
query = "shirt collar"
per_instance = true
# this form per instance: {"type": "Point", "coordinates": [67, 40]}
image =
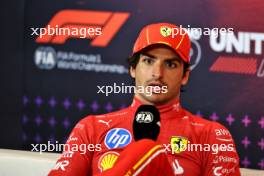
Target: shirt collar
{"type": "Point", "coordinates": [173, 106]}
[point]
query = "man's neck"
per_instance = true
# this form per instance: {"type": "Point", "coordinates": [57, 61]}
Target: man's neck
{"type": "Point", "coordinates": [161, 103]}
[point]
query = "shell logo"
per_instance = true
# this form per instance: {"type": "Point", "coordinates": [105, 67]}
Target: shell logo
{"type": "Point", "coordinates": [107, 160]}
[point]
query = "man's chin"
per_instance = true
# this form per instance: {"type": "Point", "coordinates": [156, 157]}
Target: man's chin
{"type": "Point", "coordinates": [156, 99]}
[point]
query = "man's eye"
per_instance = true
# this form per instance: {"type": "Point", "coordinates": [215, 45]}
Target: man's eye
{"type": "Point", "coordinates": [171, 64]}
{"type": "Point", "coordinates": [148, 60]}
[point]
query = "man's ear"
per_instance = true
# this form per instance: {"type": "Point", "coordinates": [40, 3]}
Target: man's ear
{"type": "Point", "coordinates": [185, 78]}
{"type": "Point", "coordinates": [132, 72]}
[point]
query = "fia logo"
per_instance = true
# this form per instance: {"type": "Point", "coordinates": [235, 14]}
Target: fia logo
{"type": "Point", "coordinates": [45, 58]}
{"type": "Point", "coordinates": [144, 117]}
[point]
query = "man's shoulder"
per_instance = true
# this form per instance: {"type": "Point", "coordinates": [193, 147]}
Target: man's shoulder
{"type": "Point", "coordinates": [198, 120]}
{"type": "Point", "coordinates": [205, 125]}
{"type": "Point", "coordinates": [95, 125]}
{"type": "Point", "coordinates": [118, 113]}
{"type": "Point", "coordinates": [113, 116]}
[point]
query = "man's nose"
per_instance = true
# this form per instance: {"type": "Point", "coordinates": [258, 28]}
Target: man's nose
{"type": "Point", "coordinates": [157, 71]}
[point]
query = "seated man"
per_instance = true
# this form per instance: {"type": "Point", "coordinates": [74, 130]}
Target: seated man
{"type": "Point", "coordinates": [160, 62]}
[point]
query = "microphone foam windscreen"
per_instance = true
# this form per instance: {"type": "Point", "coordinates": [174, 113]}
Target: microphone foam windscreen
{"type": "Point", "coordinates": [146, 124]}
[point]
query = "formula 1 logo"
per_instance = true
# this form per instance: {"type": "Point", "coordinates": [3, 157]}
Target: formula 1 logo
{"type": "Point", "coordinates": [110, 22]}
{"type": "Point", "coordinates": [117, 137]}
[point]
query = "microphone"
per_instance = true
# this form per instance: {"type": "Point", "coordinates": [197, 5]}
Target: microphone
{"type": "Point", "coordinates": [146, 124]}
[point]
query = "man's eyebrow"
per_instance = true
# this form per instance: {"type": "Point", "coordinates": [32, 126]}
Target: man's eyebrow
{"type": "Point", "coordinates": [149, 55]}
{"type": "Point", "coordinates": [176, 58]}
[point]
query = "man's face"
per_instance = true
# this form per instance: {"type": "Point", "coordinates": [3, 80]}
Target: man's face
{"type": "Point", "coordinates": [159, 66]}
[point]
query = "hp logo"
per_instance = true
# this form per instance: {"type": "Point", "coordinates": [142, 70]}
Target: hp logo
{"type": "Point", "coordinates": [117, 137]}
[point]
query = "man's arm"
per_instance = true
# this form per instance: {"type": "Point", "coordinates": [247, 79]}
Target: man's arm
{"type": "Point", "coordinates": [223, 159]}
{"type": "Point", "coordinates": [77, 157]}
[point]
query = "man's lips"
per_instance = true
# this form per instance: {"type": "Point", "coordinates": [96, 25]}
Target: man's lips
{"type": "Point", "coordinates": [159, 84]}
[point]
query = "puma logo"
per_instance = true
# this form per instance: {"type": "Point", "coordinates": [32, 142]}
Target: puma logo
{"type": "Point", "coordinates": [104, 122]}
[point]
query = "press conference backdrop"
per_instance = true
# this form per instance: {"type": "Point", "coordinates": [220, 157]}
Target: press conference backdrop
{"type": "Point", "coordinates": [61, 75]}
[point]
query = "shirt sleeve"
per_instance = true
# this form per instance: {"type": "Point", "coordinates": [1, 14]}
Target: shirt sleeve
{"type": "Point", "coordinates": [222, 159]}
{"type": "Point", "coordinates": [78, 151]}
